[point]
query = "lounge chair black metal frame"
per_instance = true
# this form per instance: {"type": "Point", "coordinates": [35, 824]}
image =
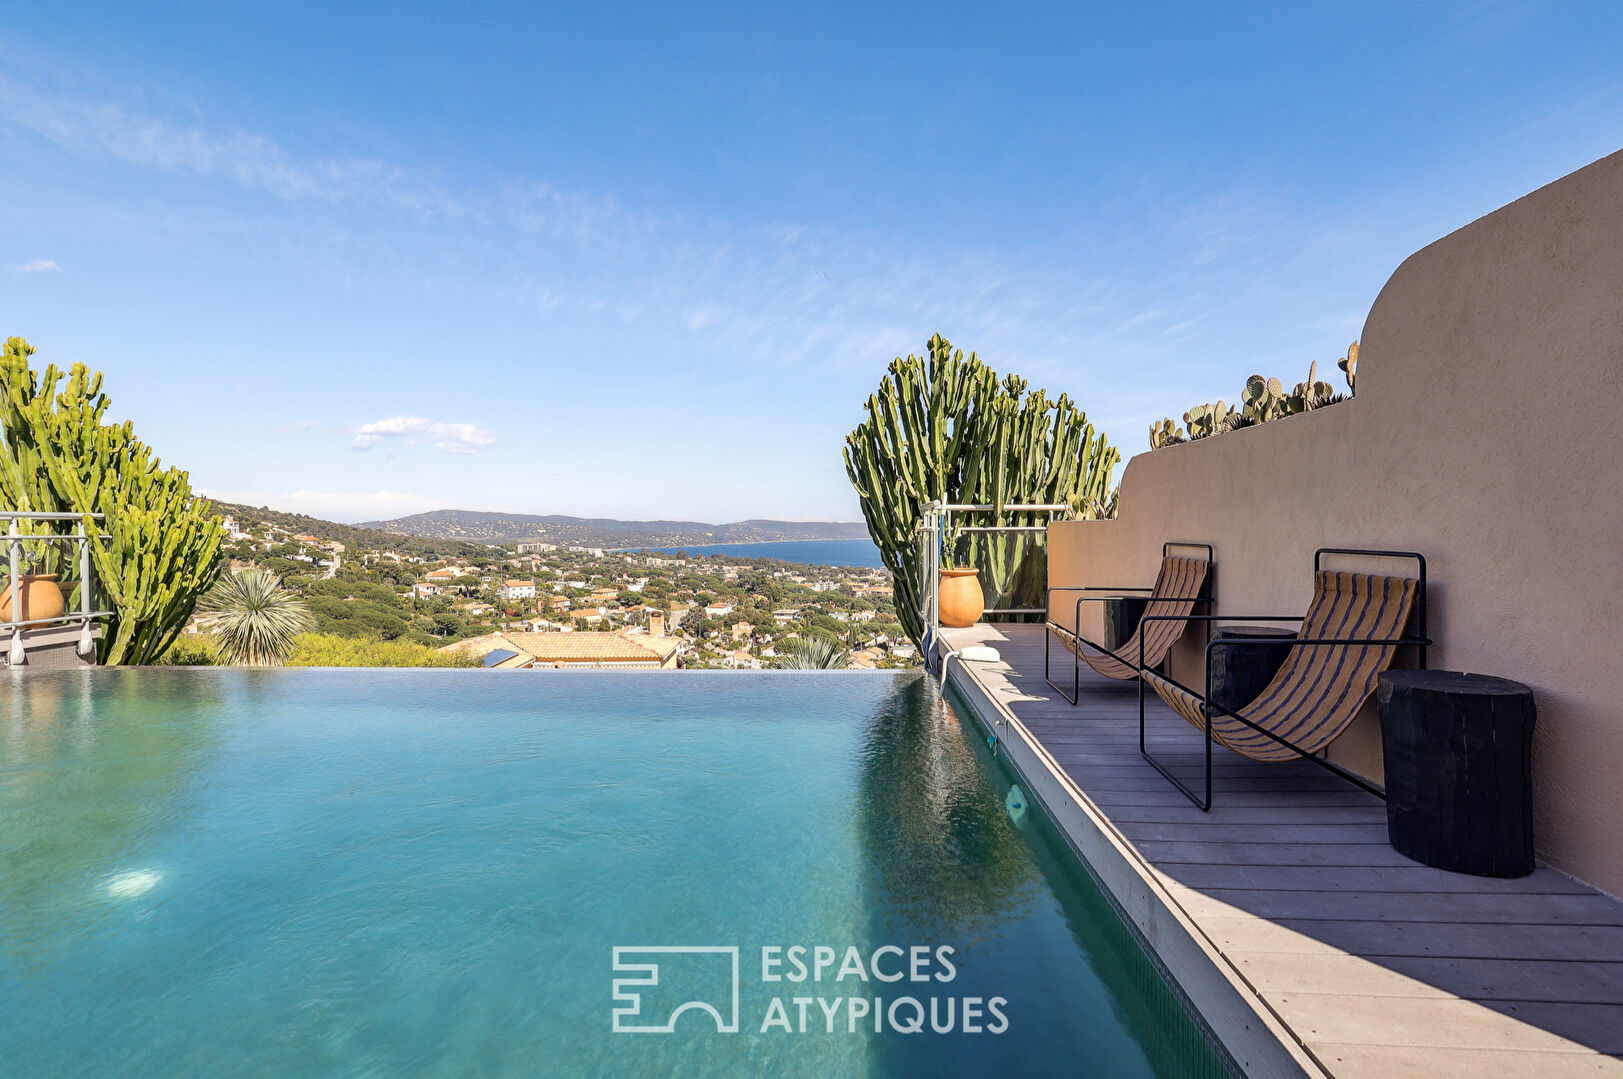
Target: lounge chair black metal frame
{"type": "Point", "coordinates": [1051, 628]}
{"type": "Point", "coordinates": [1422, 641]}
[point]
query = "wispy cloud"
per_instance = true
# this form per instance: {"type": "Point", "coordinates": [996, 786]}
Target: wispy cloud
{"type": "Point", "coordinates": [446, 437]}
{"type": "Point", "coordinates": [1165, 287]}
{"type": "Point", "coordinates": [39, 266]}
{"type": "Point", "coordinates": [246, 158]}
{"type": "Point", "coordinates": [302, 425]}
{"type": "Point", "coordinates": [821, 296]}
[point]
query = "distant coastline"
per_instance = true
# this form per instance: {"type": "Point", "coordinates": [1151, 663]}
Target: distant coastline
{"type": "Point", "coordinates": [477, 526]}
{"type": "Point", "coordinates": [829, 552]}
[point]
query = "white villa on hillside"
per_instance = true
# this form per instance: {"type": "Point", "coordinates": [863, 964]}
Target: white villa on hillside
{"type": "Point", "coordinates": [512, 590]}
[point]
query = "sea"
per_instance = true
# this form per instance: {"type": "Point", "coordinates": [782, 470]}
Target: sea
{"type": "Point", "coordinates": [840, 552]}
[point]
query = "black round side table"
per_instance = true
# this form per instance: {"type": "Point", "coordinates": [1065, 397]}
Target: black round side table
{"type": "Point", "coordinates": [1459, 770]}
{"type": "Point", "coordinates": [1122, 615]}
{"type": "Point", "coordinates": [1240, 672]}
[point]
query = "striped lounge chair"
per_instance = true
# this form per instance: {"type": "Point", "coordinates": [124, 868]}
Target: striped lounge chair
{"type": "Point", "coordinates": [1349, 635]}
{"type": "Point", "coordinates": [1181, 584]}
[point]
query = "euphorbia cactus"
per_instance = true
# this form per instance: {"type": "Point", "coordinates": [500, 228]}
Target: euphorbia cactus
{"type": "Point", "coordinates": [944, 428]}
{"type": "Point", "coordinates": [59, 457]}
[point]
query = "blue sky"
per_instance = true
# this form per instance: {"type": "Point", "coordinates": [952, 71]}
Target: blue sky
{"type": "Point", "coordinates": [639, 261]}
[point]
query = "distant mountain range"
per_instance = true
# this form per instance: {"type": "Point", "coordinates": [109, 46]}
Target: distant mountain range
{"type": "Point", "coordinates": [353, 537]}
{"type": "Point", "coordinates": [469, 526]}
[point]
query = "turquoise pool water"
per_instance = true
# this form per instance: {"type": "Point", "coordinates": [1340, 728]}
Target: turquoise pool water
{"type": "Point", "coordinates": [345, 873]}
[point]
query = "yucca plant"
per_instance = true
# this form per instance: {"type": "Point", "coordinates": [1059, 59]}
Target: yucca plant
{"type": "Point", "coordinates": [814, 654]}
{"type": "Point", "coordinates": [256, 622]}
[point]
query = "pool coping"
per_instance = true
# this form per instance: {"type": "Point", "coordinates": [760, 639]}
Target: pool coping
{"type": "Point", "coordinates": [1254, 1038]}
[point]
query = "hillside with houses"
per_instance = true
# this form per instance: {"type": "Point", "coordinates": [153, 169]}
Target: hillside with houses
{"type": "Point", "coordinates": [544, 604]}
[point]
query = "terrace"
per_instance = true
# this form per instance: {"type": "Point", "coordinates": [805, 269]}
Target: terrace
{"type": "Point", "coordinates": [1308, 944]}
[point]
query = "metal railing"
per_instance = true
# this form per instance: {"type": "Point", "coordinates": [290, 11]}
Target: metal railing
{"type": "Point", "coordinates": [85, 616]}
{"type": "Point", "coordinates": [934, 526]}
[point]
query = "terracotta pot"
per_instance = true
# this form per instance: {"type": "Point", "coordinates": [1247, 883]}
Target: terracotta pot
{"type": "Point", "coordinates": [961, 599]}
{"type": "Point", "coordinates": [42, 598]}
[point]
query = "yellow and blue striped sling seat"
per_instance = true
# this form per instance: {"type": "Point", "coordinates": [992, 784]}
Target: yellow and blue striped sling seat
{"type": "Point", "coordinates": [1320, 688]}
{"type": "Point", "coordinates": [1177, 587]}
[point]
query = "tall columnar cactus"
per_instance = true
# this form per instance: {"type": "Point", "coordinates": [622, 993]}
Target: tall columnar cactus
{"type": "Point", "coordinates": [59, 456]}
{"type": "Point", "coordinates": [944, 428]}
{"type": "Point", "coordinates": [19, 465]}
{"type": "Point", "coordinates": [1349, 367]}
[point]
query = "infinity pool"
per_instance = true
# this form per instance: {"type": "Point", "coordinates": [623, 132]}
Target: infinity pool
{"type": "Point", "coordinates": [393, 873]}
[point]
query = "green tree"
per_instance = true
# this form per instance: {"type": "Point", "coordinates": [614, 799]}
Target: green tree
{"type": "Point", "coordinates": [256, 622]}
{"type": "Point", "coordinates": [59, 456]}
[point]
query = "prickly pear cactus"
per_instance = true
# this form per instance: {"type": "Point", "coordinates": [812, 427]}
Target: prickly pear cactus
{"type": "Point", "coordinates": [1165, 433]}
{"type": "Point", "coordinates": [1263, 399]}
{"type": "Point", "coordinates": [1206, 420]}
{"type": "Point", "coordinates": [1349, 367]}
{"type": "Point", "coordinates": [1311, 394]}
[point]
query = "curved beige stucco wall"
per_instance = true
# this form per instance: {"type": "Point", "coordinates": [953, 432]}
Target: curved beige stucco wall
{"type": "Point", "coordinates": [1485, 435]}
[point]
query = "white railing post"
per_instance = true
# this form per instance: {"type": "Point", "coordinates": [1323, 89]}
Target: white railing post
{"type": "Point", "coordinates": [18, 655]}
{"type": "Point", "coordinates": [87, 639]}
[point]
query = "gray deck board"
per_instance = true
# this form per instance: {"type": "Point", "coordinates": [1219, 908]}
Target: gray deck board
{"type": "Point", "coordinates": [1397, 940]}
{"type": "Point", "coordinates": [1409, 878]}
{"type": "Point", "coordinates": [1376, 963]}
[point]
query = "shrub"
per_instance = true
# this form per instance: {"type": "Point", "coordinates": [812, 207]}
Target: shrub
{"type": "Point", "coordinates": [331, 650]}
{"type": "Point", "coordinates": [190, 651]}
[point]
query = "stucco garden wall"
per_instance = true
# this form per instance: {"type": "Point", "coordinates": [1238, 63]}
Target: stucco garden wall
{"type": "Point", "coordinates": [1486, 434]}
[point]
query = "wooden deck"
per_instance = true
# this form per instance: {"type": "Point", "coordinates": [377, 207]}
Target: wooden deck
{"type": "Point", "coordinates": [1372, 964]}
